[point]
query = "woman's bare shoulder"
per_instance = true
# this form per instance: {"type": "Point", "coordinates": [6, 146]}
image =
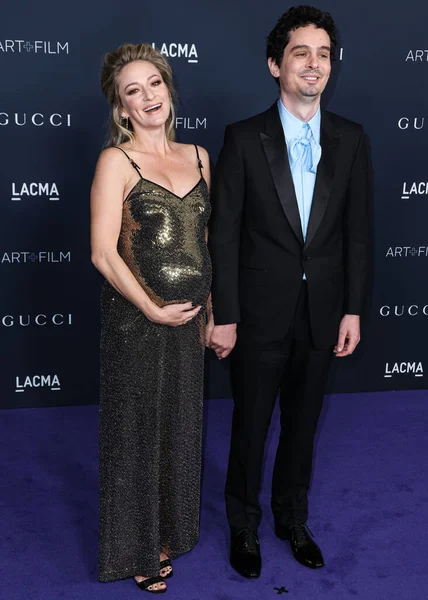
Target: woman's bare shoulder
{"type": "Point", "coordinates": [189, 150]}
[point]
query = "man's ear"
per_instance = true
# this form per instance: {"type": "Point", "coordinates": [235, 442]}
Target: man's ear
{"type": "Point", "coordinates": [273, 67]}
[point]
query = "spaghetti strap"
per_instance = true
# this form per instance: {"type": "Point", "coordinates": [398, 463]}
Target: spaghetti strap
{"type": "Point", "coordinates": [200, 165]}
{"type": "Point", "coordinates": [133, 163]}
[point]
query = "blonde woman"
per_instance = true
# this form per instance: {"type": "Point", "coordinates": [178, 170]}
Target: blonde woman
{"type": "Point", "coordinates": [149, 211]}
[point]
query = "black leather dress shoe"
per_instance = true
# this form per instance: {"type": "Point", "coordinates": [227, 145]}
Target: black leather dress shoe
{"type": "Point", "coordinates": [305, 550]}
{"type": "Point", "coordinates": [245, 553]}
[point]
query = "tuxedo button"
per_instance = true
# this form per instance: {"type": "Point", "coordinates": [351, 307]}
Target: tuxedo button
{"type": "Point", "coordinates": [306, 258]}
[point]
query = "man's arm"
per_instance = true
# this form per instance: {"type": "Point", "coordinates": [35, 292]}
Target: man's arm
{"type": "Point", "coordinates": [224, 240]}
{"type": "Point", "coordinates": [357, 231]}
{"type": "Point", "coordinates": [227, 199]}
{"type": "Point", "coordinates": [357, 250]}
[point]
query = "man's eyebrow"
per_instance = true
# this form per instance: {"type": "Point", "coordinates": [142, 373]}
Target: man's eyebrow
{"type": "Point", "coordinates": [301, 46]}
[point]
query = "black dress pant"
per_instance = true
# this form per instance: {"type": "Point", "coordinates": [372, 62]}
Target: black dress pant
{"type": "Point", "coordinates": [299, 372]}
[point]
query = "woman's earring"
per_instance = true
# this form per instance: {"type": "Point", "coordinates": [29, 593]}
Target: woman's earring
{"type": "Point", "coordinates": [126, 125]}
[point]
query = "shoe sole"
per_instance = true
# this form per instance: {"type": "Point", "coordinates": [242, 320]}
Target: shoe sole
{"type": "Point", "coordinates": [251, 575]}
{"type": "Point", "coordinates": [286, 538]}
{"type": "Point", "coordinates": [307, 565]}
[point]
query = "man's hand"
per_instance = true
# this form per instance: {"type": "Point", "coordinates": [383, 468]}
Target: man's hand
{"type": "Point", "coordinates": [349, 335]}
{"type": "Point", "coordinates": [223, 339]}
{"type": "Point", "coordinates": [208, 331]}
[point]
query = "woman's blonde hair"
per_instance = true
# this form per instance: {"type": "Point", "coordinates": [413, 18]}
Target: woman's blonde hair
{"type": "Point", "coordinates": [120, 129]}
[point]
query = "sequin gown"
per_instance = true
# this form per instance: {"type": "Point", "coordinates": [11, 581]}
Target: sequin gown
{"type": "Point", "coordinates": [152, 386]}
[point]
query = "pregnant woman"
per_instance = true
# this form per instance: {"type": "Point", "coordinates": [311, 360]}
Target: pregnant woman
{"type": "Point", "coordinates": [149, 211]}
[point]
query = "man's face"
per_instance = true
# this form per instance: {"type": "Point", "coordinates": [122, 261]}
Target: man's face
{"type": "Point", "coordinates": [305, 67]}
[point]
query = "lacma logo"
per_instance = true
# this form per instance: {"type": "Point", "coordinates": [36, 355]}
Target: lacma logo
{"type": "Point", "coordinates": [48, 190]}
{"type": "Point", "coordinates": [36, 47]}
{"type": "Point", "coordinates": [404, 368]}
{"type": "Point", "coordinates": [177, 50]}
{"type": "Point", "coordinates": [37, 381]}
{"type": "Point", "coordinates": [416, 188]}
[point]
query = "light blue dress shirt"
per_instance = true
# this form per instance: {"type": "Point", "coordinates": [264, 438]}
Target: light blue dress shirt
{"type": "Point", "coordinates": [304, 180]}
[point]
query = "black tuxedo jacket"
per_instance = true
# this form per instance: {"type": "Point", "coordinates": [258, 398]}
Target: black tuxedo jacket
{"type": "Point", "coordinates": [256, 239]}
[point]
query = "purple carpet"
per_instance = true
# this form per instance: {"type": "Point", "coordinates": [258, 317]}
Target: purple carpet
{"type": "Point", "coordinates": [369, 508]}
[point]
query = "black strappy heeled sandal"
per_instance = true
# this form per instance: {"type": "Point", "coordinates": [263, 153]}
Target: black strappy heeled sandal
{"type": "Point", "coordinates": [164, 564]}
{"type": "Point", "coordinates": [146, 583]}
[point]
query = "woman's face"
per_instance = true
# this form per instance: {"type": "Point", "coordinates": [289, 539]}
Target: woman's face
{"type": "Point", "coordinates": [144, 95]}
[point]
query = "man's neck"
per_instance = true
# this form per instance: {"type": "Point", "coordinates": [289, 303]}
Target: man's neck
{"type": "Point", "coordinates": [304, 111]}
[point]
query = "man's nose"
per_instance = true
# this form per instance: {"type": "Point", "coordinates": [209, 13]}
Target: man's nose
{"type": "Point", "coordinates": [312, 62]}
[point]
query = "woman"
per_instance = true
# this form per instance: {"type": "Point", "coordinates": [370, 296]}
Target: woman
{"type": "Point", "coordinates": [149, 206]}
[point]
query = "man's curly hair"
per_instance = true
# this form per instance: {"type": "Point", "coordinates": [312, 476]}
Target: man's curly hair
{"type": "Point", "coordinates": [292, 19]}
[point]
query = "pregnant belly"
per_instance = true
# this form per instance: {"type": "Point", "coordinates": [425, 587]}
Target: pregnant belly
{"type": "Point", "coordinates": [178, 281]}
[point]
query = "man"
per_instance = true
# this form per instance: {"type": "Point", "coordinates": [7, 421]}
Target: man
{"type": "Point", "coordinates": [290, 247]}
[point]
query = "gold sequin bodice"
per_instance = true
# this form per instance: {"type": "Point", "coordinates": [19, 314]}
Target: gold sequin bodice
{"type": "Point", "coordinates": [162, 240]}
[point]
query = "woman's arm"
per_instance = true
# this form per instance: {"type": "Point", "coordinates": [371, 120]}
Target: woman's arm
{"type": "Point", "coordinates": [206, 173]}
{"type": "Point", "coordinates": [106, 218]}
{"type": "Point", "coordinates": [207, 176]}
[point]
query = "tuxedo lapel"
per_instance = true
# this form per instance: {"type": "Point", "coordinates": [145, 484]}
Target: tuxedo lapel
{"type": "Point", "coordinates": [275, 148]}
{"type": "Point", "coordinates": [330, 140]}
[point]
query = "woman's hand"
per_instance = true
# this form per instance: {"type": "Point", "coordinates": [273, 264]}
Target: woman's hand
{"type": "Point", "coordinates": [173, 314]}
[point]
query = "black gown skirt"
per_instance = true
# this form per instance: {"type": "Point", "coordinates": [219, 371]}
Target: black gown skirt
{"type": "Point", "coordinates": [152, 386]}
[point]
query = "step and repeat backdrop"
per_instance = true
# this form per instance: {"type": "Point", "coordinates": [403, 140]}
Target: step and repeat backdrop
{"type": "Point", "coordinates": [53, 124]}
